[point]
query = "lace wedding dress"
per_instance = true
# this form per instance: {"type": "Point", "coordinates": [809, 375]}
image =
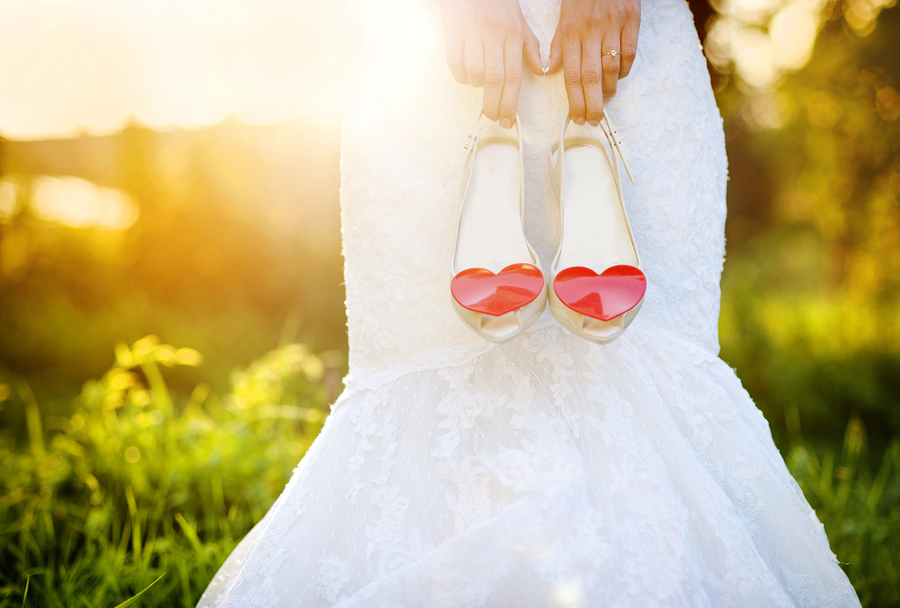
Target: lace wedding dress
{"type": "Point", "coordinates": [547, 471]}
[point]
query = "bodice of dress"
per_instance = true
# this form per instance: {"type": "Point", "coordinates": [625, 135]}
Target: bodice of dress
{"type": "Point", "coordinates": [399, 218]}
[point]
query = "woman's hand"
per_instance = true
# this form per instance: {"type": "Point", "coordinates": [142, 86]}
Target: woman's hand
{"type": "Point", "coordinates": [588, 31]}
{"type": "Point", "coordinates": [485, 41]}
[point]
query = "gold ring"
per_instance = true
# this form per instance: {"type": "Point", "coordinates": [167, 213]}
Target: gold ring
{"type": "Point", "coordinates": [613, 53]}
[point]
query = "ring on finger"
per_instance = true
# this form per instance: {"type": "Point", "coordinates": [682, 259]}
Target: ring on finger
{"type": "Point", "coordinates": [612, 53]}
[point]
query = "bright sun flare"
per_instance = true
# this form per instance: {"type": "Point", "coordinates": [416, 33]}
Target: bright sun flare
{"type": "Point", "coordinates": [68, 66]}
{"type": "Point", "coordinates": [91, 65]}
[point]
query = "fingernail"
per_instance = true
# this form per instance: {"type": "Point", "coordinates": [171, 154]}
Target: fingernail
{"type": "Point", "coordinates": [595, 123]}
{"type": "Point", "coordinates": [506, 123]}
{"type": "Point", "coordinates": [579, 121]}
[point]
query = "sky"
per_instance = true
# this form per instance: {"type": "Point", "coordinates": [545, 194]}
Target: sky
{"type": "Point", "coordinates": [73, 66]}
{"type": "Point", "coordinates": [89, 66]}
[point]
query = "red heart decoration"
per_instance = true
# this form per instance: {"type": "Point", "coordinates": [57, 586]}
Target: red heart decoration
{"type": "Point", "coordinates": [603, 296]}
{"type": "Point", "coordinates": [480, 290]}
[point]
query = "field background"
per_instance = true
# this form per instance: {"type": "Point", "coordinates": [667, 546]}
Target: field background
{"type": "Point", "coordinates": [162, 373]}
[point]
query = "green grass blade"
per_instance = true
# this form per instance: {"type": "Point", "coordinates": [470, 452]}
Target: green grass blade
{"type": "Point", "coordinates": [191, 536]}
{"type": "Point", "coordinates": [133, 599]}
{"type": "Point", "coordinates": [25, 597]}
{"type": "Point", "coordinates": [33, 420]}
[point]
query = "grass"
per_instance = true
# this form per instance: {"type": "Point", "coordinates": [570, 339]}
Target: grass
{"type": "Point", "coordinates": [133, 489]}
{"type": "Point", "coordinates": [859, 504]}
{"type": "Point", "coordinates": [138, 496]}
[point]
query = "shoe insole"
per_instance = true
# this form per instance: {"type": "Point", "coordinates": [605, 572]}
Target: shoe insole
{"type": "Point", "coordinates": [595, 232]}
{"type": "Point", "coordinates": [490, 227]}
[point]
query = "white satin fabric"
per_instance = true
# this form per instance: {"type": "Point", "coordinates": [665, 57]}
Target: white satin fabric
{"type": "Point", "coordinates": [547, 471]}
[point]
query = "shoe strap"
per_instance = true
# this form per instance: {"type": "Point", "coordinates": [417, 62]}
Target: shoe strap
{"type": "Point", "coordinates": [467, 161]}
{"type": "Point", "coordinates": [469, 147]}
{"type": "Point", "coordinates": [614, 154]}
{"type": "Point", "coordinates": [615, 146]}
{"type": "Point", "coordinates": [611, 134]}
{"type": "Point", "coordinates": [472, 143]}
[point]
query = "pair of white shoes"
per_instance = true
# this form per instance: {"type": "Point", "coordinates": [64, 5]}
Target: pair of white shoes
{"type": "Point", "coordinates": [596, 284]}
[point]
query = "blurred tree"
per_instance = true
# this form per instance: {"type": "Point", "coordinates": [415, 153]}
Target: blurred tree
{"type": "Point", "coordinates": [812, 292]}
{"type": "Point", "coordinates": [233, 248]}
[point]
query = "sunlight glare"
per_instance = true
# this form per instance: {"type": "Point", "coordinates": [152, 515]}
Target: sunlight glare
{"type": "Point", "coordinates": [9, 200]}
{"type": "Point", "coordinates": [396, 55]}
{"type": "Point", "coordinates": [92, 65]}
{"type": "Point", "coordinates": [79, 203]}
{"type": "Point", "coordinates": [793, 31]}
{"type": "Point", "coordinates": [764, 38]}
{"type": "Point", "coordinates": [754, 58]}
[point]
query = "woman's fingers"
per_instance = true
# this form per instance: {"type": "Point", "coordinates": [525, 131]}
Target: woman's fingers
{"type": "Point", "coordinates": [488, 41]}
{"type": "Point", "coordinates": [512, 83]}
{"type": "Point", "coordinates": [611, 61]}
{"type": "Point", "coordinates": [531, 52]}
{"type": "Point", "coordinates": [487, 44]}
{"type": "Point", "coordinates": [571, 45]}
{"type": "Point", "coordinates": [456, 58]}
{"type": "Point", "coordinates": [591, 75]}
{"type": "Point", "coordinates": [453, 45]}
{"type": "Point", "coordinates": [629, 41]}
{"type": "Point", "coordinates": [494, 78]}
{"type": "Point", "coordinates": [596, 42]}
{"type": "Point", "coordinates": [556, 53]}
{"type": "Point", "coordinates": [474, 54]}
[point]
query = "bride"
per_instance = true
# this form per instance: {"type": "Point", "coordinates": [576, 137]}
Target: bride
{"type": "Point", "coordinates": [547, 470]}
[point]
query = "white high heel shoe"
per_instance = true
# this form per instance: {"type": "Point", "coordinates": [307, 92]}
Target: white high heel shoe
{"type": "Point", "coordinates": [498, 289]}
{"type": "Point", "coordinates": [597, 279]}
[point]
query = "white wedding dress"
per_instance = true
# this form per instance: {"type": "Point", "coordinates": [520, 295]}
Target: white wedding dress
{"type": "Point", "coordinates": [547, 471]}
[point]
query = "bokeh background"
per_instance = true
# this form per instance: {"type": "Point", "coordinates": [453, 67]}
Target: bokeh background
{"type": "Point", "coordinates": [172, 328]}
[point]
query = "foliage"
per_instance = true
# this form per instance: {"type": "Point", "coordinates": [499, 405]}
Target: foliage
{"type": "Point", "coordinates": [133, 486]}
{"type": "Point", "coordinates": [810, 289]}
{"type": "Point", "coordinates": [236, 244]}
{"type": "Point", "coordinates": [860, 511]}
